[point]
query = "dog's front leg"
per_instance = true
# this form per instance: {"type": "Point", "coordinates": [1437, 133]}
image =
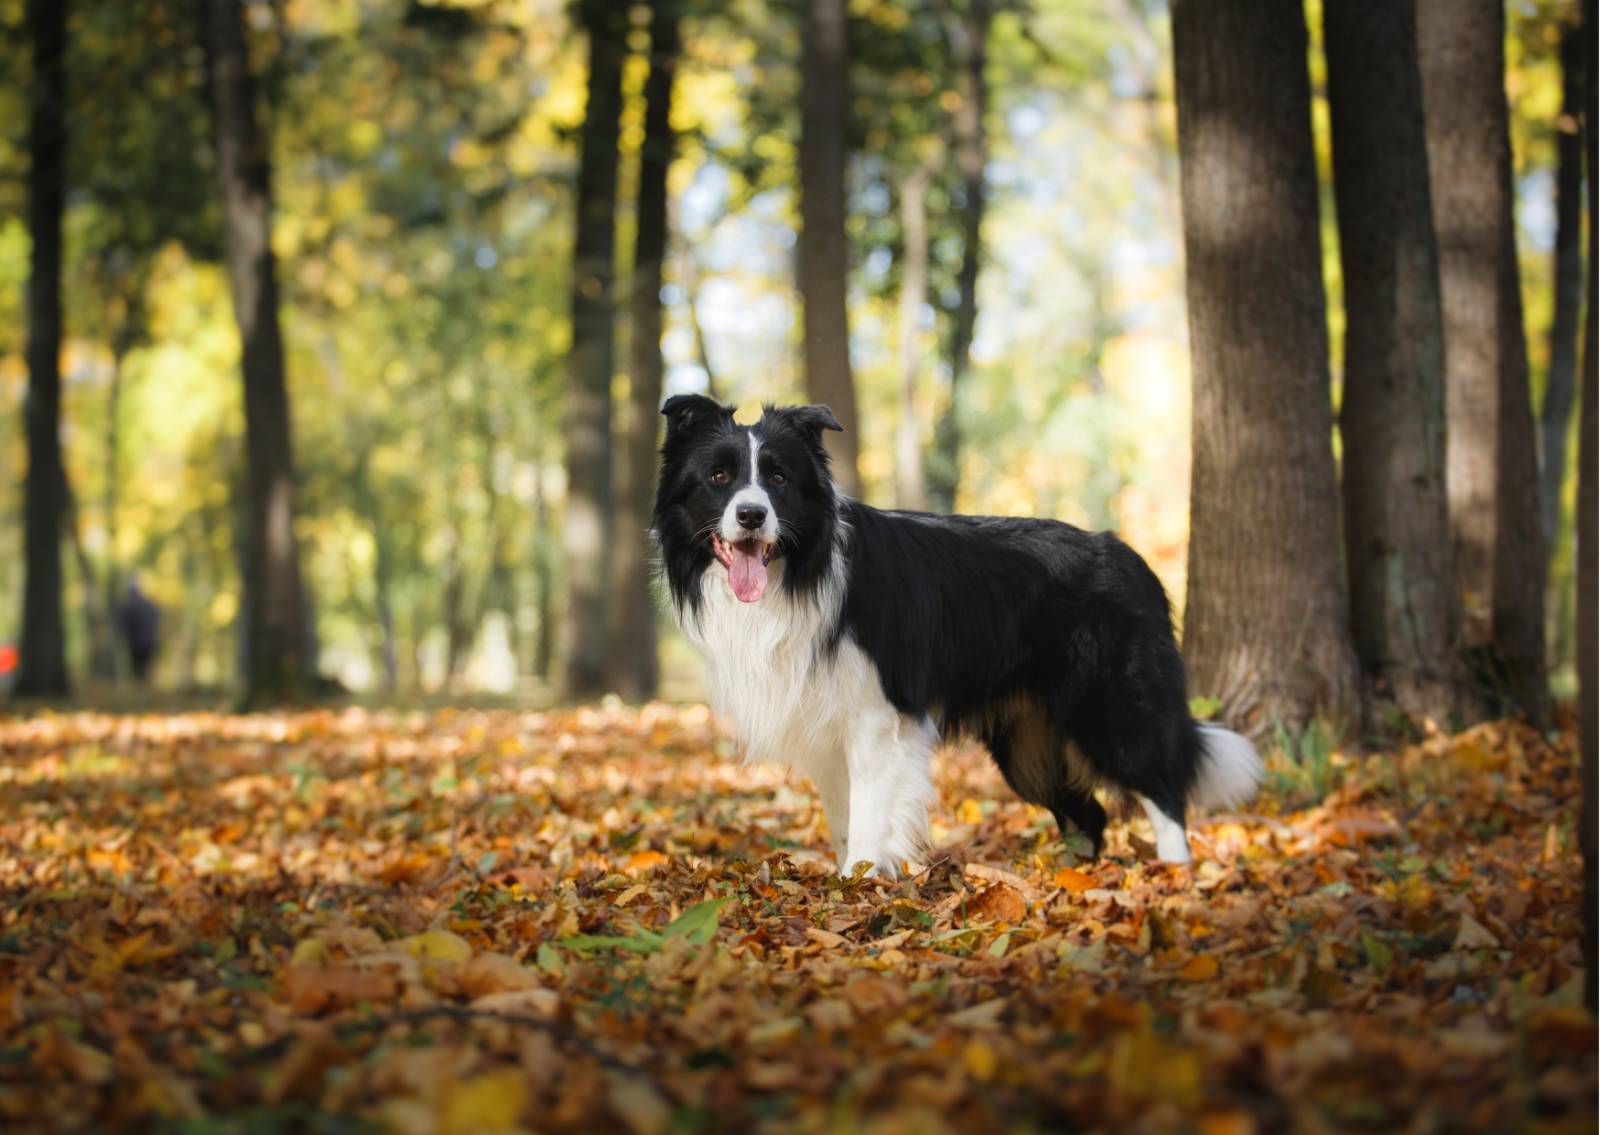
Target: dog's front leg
{"type": "Point", "coordinates": [890, 789]}
{"type": "Point", "coordinates": [833, 785]}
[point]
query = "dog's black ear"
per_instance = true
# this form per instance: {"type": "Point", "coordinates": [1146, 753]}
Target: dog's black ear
{"type": "Point", "coordinates": [687, 413]}
{"type": "Point", "coordinates": [809, 420]}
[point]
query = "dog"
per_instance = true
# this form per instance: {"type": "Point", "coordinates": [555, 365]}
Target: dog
{"type": "Point", "coordinates": [847, 641]}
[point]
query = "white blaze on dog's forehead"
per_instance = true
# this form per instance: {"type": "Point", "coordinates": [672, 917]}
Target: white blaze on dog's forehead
{"type": "Point", "coordinates": [750, 493]}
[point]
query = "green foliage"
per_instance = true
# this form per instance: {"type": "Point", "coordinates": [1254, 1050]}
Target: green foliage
{"type": "Point", "coordinates": [697, 926]}
{"type": "Point", "coordinates": [1304, 764]}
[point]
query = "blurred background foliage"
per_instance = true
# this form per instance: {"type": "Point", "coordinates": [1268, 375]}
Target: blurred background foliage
{"type": "Point", "coordinates": [424, 159]}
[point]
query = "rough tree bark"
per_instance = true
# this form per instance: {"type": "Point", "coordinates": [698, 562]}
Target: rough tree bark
{"type": "Point", "coordinates": [277, 658]}
{"type": "Point", "coordinates": [1491, 464]}
{"type": "Point", "coordinates": [908, 484]}
{"type": "Point", "coordinates": [824, 248]}
{"type": "Point", "coordinates": [1588, 548]}
{"type": "Point", "coordinates": [591, 360]}
{"type": "Point", "coordinates": [1404, 607]}
{"type": "Point", "coordinates": [1266, 625]}
{"type": "Point", "coordinates": [635, 673]}
{"type": "Point", "coordinates": [1555, 415]}
{"type": "Point", "coordinates": [42, 669]}
{"type": "Point", "coordinates": [969, 38]}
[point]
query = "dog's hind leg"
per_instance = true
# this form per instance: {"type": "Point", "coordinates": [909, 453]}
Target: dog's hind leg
{"type": "Point", "coordinates": [1044, 769]}
{"type": "Point", "coordinates": [1079, 808]}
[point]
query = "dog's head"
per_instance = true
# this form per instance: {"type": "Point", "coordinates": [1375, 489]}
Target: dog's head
{"type": "Point", "coordinates": [757, 502]}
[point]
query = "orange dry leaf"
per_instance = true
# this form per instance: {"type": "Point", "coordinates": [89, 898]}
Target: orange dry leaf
{"type": "Point", "coordinates": [317, 989]}
{"type": "Point", "coordinates": [494, 973]}
{"type": "Point", "coordinates": [998, 903]}
{"type": "Point", "coordinates": [1201, 967]}
{"type": "Point", "coordinates": [641, 861]}
{"type": "Point", "coordinates": [1073, 881]}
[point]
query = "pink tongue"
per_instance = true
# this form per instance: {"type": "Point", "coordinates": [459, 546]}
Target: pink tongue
{"type": "Point", "coordinates": [747, 574]}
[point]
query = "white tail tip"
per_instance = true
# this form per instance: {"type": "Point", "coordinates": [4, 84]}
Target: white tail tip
{"type": "Point", "coordinates": [1230, 769]}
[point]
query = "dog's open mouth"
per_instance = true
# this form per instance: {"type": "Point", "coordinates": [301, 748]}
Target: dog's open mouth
{"type": "Point", "coordinates": [746, 562]}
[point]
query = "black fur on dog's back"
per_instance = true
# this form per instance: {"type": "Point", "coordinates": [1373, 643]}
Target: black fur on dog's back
{"type": "Point", "coordinates": [1052, 645]}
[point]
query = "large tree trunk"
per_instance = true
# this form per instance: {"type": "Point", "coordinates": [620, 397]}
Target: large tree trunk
{"type": "Point", "coordinates": [1492, 468]}
{"type": "Point", "coordinates": [908, 487]}
{"type": "Point", "coordinates": [1556, 414]}
{"type": "Point", "coordinates": [969, 37]}
{"type": "Point", "coordinates": [277, 654]}
{"type": "Point", "coordinates": [1404, 607]}
{"type": "Point", "coordinates": [824, 248]}
{"type": "Point", "coordinates": [42, 670]}
{"type": "Point", "coordinates": [634, 670]}
{"type": "Point", "coordinates": [1588, 549]}
{"type": "Point", "coordinates": [1265, 624]}
{"type": "Point", "coordinates": [592, 357]}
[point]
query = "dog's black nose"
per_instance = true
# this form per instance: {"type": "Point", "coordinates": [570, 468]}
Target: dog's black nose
{"type": "Point", "coordinates": [751, 515]}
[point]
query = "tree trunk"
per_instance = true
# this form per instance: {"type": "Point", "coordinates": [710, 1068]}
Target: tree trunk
{"type": "Point", "coordinates": [111, 586]}
{"type": "Point", "coordinates": [1588, 559]}
{"type": "Point", "coordinates": [1556, 414]}
{"type": "Point", "coordinates": [970, 37]}
{"type": "Point", "coordinates": [1266, 621]}
{"type": "Point", "coordinates": [543, 585]}
{"type": "Point", "coordinates": [908, 486]}
{"type": "Point", "coordinates": [1404, 608]}
{"type": "Point", "coordinates": [382, 572]}
{"type": "Point", "coordinates": [591, 360]}
{"type": "Point", "coordinates": [277, 654]}
{"type": "Point", "coordinates": [1492, 467]}
{"type": "Point", "coordinates": [99, 623]}
{"type": "Point", "coordinates": [42, 669]}
{"type": "Point", "coordinates": [824, 248]}
{"type": "Point", "coordinates": [634, 670]}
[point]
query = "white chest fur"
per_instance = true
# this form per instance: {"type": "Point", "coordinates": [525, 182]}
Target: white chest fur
{"type": "Point", "coordinates": [768, 670]}
{"type": "Point", "coordinates": [820, 712]}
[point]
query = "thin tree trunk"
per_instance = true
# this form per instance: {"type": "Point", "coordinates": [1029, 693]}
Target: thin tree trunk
{"type": "Point", "coordinates": [543, 585]}
{"type": "Point", "coordinates": [824, 248]}
{"type": "Point", "coordinates": [635, 673]}
{"type": "Point", "coordinates": [971, 39]}
{"type": "Point", "coordinates": [112, 584]}
{"type": "Point", "coordinates": [1492, 466]}
{"type": "Point", "coordinates": [1556, 414]}
{"type": "Point", "coordinates": [1266, 620]}
{"type": "Point", "coordinates": [1588, 548]}
{"type": "Point", "coordinates": [908, 483]}
{"type": "Point", "coordinates": [382, 572]}
{"type": "Point", "coordinates": [277, 654]}
{"type": "Point", "coordinates": [42, 669]}
{"type": "Point", "coordinates": [98, 622]}
{"type": "Point", "coordinates": [1404, 608]}
{"type": "Point", "coordinates": [591, 361]}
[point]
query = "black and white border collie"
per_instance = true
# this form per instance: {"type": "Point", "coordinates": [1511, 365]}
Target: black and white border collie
{"type": "Point", "coordinates": [846, 641]}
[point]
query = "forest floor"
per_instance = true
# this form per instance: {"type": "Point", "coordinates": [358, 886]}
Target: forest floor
{"type": "Point", "coordinates": [596, 920]}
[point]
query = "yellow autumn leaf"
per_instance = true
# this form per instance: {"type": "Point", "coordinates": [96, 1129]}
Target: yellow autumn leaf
{"type": "Point", "coordinates": [483, 1105]}
{"type": "Point", "coordinates": [1201, 967]}
{"type": "Point", "coordinates": [309, 952]}
{"type": "Point", "coordinates": [979, 1059]}
{"type": "Point", "coordinates": [438, 945]}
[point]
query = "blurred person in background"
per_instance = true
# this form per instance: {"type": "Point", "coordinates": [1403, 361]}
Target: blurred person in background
{"type": "Point", "coordinates": [139, 621]}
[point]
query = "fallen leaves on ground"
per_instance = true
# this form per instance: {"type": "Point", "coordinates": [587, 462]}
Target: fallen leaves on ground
{"type": "Point", "coordinates": [595, 920]}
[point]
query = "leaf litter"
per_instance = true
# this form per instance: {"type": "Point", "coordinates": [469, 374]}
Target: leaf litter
{"type": "Point", "coordinates": [593, 920]}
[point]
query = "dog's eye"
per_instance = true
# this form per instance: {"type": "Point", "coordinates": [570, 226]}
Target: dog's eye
{"type": "Point", "coordinates": [777, 479]}
{"type": "Point", "coordinates": [720, 477]}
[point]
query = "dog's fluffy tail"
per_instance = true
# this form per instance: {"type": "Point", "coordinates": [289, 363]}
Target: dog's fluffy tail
{"type": "Point", "coordinates": [1230, 769]}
